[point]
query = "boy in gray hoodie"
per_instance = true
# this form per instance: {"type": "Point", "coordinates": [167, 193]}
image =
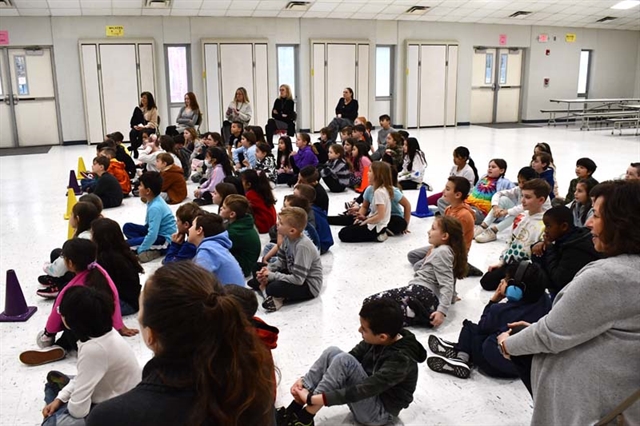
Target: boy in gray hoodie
{"type": "Point", "coordinates": [376, 378]}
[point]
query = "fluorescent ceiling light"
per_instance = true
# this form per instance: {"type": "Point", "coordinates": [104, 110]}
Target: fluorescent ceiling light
{"type": "Point", "coordinates": [626, 4]}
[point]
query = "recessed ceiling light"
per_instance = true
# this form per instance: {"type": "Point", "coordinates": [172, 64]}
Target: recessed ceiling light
{"type": "Point", "coordinates": [626, 4]}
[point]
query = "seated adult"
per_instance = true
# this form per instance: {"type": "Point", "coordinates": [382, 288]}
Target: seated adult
{"type": "Point", "coordinates": [591, 337]}
{"type": "Point", "coordinates": [284, 116]}
{"type": "Point", "coordinates": [238, 110]}
{"type": "Point", "coordinates": [144, 119]}
{"type": "Point", "coordinates": [346, 113]}
{"type": "Point", "coordinates": [209, 366]}
{"type": "Point", "coordinates": [188, 116]}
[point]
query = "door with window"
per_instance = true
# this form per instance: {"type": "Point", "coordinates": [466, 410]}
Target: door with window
{"type": "Point", "coordinates": [28, 112]}
{"type": "Point", "coordinates": [496, 85]}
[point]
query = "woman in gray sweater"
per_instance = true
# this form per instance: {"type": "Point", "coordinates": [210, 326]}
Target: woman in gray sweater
{"type": "Point", "coordinates": [586, 350]}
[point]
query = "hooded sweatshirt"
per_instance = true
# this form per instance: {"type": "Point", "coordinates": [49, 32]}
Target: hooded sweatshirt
{"type": "Point", "coordinates": [173, 184]}
{"type": "Point", "coordinates": [392, 371]}
{"type": "Point", "coordinates": [567, 255]}
{"type": "Point", "coordinates": [117, 169]}
{"type": "Point", "coordinates": [213, 255]}
{"type": "Point", "coordinates": [246, 243]}
{"type": "Point", "coordinates": [467, 218]}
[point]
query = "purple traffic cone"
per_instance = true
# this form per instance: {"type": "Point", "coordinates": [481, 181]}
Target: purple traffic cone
{"type": "Point", "coordinates": [73, 183]}
{"type": "Point", "coordinates": [15, 307]}
{"type": "Point", "coordinates": [422, 209]}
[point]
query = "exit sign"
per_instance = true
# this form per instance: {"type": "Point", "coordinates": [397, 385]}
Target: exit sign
{"type": "Point", "coordinates": [543, 38]}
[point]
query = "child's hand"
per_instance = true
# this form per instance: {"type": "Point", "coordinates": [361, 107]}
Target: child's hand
{"type": "Point", "coordinates": [437, 318]}
{"type": "Point", "coordinates": [501, 213]}
{"type": "Point", "coordinates": [406, 231]}
{"type": "Point", "coordinates": [197, 193]}
{"type": "Point", "coordinates": [496, 266]}
{"type": "Point", "coordinates": [518, 324]}
{"type": "Point", "coordinates": [298, 385]}
{"type": "Point", "coordinates": [246, 162]}
{"type": "Point", "coordinates": [499, 294]}
{"type": "Point", "coordinates": [177, 238]}
{"type": "Point", "coordinates": [49, 409]}
{"type": "Point", "coordinates": [538, 249]}
{"type": "Point", "coordinates": [128, 332]}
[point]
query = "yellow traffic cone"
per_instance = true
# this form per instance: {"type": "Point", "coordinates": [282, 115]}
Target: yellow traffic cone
{"type": "Point", "coordinates": [70, 231]}
{"type": "Point", "coordinates": [71, 201]}
{"type": "Point", "coordinates": [81, 168]}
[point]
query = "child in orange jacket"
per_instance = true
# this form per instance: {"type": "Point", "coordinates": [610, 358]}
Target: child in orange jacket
{"type": "Point", "coordinates": [174, 187]}
{"type": "Point", "coordinates": [117, 169]}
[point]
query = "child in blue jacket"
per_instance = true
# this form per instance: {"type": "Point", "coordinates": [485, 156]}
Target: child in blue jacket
{"type": "Point", "coordinates": [180, 248]}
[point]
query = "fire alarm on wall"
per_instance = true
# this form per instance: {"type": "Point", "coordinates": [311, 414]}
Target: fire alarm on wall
{"type": "Point", "coordinates": [547, 52]}
{"type": "Point", "coordinates": [546, 82]}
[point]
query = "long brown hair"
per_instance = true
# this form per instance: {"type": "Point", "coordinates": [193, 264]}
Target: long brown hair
{"type": "Point", "coordinates": [382, 176]}
{"type": "Point", "coordinates": [453, 227]}
{"type": "Point", "coordinates": [194, 321]}
{"type": "Point", "coordinates": [193, 102]}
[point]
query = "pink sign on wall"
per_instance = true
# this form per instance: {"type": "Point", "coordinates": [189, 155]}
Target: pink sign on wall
{"type": "Point", "coordinates": [503, 39]}
{"type": "Point", "coordinates": [4, 37]}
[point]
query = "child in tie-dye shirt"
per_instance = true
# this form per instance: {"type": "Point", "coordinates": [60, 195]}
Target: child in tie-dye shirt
{"type": "Point", "coordinates": [480, 196]}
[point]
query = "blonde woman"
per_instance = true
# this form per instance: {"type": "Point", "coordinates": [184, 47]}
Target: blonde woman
{"type": "Point", "coordinates": [284, 116]}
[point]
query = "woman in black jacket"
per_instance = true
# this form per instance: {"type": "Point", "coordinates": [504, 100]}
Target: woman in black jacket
{"type": "Point", "coordinates": [284, 116]}
{"type": "Point", "coordinates": [346, 113]}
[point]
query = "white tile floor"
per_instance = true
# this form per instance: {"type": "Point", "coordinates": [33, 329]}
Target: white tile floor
{"type": "Point", "coordinates": [32, 203]}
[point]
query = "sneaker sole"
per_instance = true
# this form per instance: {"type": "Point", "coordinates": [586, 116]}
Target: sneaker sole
{"type": "Point", "coordinates": [448, 366]}
{"type": "Point", "coordinates": [48, 295]}
{"type": "Point", "coordinates": [40, 357]}
{"type": "Point", "coordinates": [436, 346]}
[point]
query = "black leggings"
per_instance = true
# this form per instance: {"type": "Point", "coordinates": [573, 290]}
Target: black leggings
{"type": "Point", "coordinates": [359, 234]}
{"type": "Point", "coordinates": [273, 125]}
{"type": "Point", "coordinates": [408, 184]}
{"type": "Point", "coordinates": [491, 280]}
{"type": "Point", "coordinates": [333, 184]}
{"type": "Point", "coordinates": [135, 137]}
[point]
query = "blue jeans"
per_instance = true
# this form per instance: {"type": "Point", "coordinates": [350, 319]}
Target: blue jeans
{"type": "Point", "coordinates": [62, 416]}
{"type": "Point", "coordinates": [336, 369]}
{"type": "Point", "coordinates": [136, 234]}
{"type": "Point", "coordinates": [126, 309]}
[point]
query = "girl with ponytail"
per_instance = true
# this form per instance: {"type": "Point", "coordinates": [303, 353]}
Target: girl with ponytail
{"type": "Point", "coordinates": [463, 166]}
{"type": "Point", "coordinates": [209, 366]}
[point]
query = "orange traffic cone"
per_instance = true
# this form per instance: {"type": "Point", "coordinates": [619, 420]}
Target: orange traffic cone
{"type": "Point", "coordinates": [422, 209]}
{"type": "Point", "coordinates": [15, 306]}
{"type": "Point", "coordinates": [71, 201]}
{"type": "Point", "coordinates": [81, 168]}
{"type": "Point", "coordinates": [365, 180]}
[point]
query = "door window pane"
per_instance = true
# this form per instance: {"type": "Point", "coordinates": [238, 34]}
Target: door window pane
{"type": "Point", "coordinates": [583, 74]}
{"type": "Point", "coordinates": [287, 67]}
{"type": "Point", "coordinates": [488, 69]}
{"type": "Point", "coordinates": [20, 63]}
{"type": "Point", "coordinates": [503, 68]}
{"type": "Point", "coordinates": [383, 71]}
{"type": "Point", "coordinates": [177, 64]}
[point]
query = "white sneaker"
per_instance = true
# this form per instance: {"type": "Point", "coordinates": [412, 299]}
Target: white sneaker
{"type": "Point", "coordinates": [487, 236]}
{"type": "Point", "coordinates": [477, 230]}
{"type": "Point", "coordinates": [382, 237]}
{"type": "Point", "coordinates": [44, 341]}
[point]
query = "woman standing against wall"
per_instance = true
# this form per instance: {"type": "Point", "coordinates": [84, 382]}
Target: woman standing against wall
{"type": "Point", "coordinates": [144, 119]}
{"type": "Point", "coordinates": [284, 116]}
{"type": "Point", "coordinates": [238, 110]}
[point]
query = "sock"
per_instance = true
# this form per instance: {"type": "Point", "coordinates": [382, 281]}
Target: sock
{"type": "Point", "coordinates": [305, 417]}
{"type": "Point", "coordinates": [294, 407]}
{"type": "Point", "coordinates": [464, 357]}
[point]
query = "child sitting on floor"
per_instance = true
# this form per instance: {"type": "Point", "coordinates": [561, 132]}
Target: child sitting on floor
{"type": "Point", "coordinates": [218, 167]}
{"type": "Point", "coordinates": [221, 192]}
{"type": "Point", "coordinates": [393, 152]}
{"type": "Point", "coordinates": [377, 378]}
{"type": "Point", "coordinates": [582, 205]}
{"type": "Point", "coordinates": [107, 186]}
{"type": "Point", "coordinates": [297, 272]}
{"type": "Point", "coordinates": [174, 187]}
{"type": "Point", "coordinates": [180, 248]}
{"type": "Point", "coordinates": [413, 165]}
{"type": "Point", "coordinates": [427, 298]}
{"type": "Point", "coordinates": [284, 171]}
{"type": "Point", "coordinates": [523, 287]}
{"type": "Point", "coordinates": [463, 166]}
{"type": "Point", "coordinates": [542, 165]}
{"type": "Point", "coordinates": [266, 162]}
{"type": "Point", "coordinates": [107, 367]}
{"type": "Point", "coordinates": [245, 240]}
{"type": "Point", "coordinates": [360, 160]}
{"type": "Point", "coordinates": [244, 157]}
{"type": "Point", "coordinates": [309, 175]}
{"type": "Point", "coordinates": [585, 168]}
{"type": "Point", "coordinates": [305, 156]}
{"type": "Point", "coordinates": [336, 172]}
{"type": "Point", "coordinates": [152, 239]}
{"type": "Point", "coordinates": [258, 192]}
{"type": "Point", "coordinates": [118, 170]}
{"type": "Point", "coordinates": [526, 233]}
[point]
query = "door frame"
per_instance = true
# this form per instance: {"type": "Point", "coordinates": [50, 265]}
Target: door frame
{"type": "Point", "coordinates": [4, 50]}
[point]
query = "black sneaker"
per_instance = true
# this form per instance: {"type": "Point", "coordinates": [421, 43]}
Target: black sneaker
{"type": "Point", "coordinates": [282, 416]}
{"type": "Point", "coordinates": [295, 421]}
{"type": "Point", "coordinates": [50, 292]}
{"type": "Point", "coordinates": [442, 347]}
{"type": "Point", "coordinates": [57, 379]}
{"type": "Point", "coordinates": [46, 280]}
{"type": "Point", "coordinates": [455, 367]}
{"type": "Point", "coordinates": [474, 272]}
{"type": "Point", "coordinates": [272, 304]}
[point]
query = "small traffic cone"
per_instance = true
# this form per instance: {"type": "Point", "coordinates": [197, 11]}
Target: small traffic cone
{"type": "Point", "coordinates": [365, 180]}
{"type": "Point", "coordinates": [70, 231]}
{"type": "Point", "coordinates": [15, 307]}
{"type": "Point", "coordinates": [73, 183]}
{"type": "Point", "coordinates": [81, 168]}
{"type": "Point", "coordinates": [71, 201]}
{"type": "Point", "coordinates": [422, 209]}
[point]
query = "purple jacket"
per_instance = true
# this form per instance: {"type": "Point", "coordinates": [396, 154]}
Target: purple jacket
{"type": "Point", "coordinates": [305, 157]}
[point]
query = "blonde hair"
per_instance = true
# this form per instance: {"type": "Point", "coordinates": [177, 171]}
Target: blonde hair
{"type": "Point", "coordinates": [288, 89]}
{"type": "Point", "coordinates": [294, 217]}
{"type": "Point", "coordinates": [193, 133]}
{"type": "Point", "coordinates": [382, 176]}
{"type": "Point", "coordinates": [244, 94]}
{"type": "Point", "coordinates": [237, 204]}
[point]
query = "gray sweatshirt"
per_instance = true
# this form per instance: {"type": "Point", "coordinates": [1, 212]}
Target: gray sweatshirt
{"type": "Point", "coordinates": [587, 349]}
{"type": "Point", "coordinates": [298, 262]}
{"type": "Point", "coordinates": [436, 273]}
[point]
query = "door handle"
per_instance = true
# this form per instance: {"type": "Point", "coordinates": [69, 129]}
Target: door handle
{"type": "Point", "coordinates": [494, 87]}
{"type": "Point", "coordinates": [7, 99]}
{"type": "Point", "coordinates": [15, 100]}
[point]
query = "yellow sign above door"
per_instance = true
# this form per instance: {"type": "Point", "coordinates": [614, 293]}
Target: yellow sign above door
{"type": "Point", "coordinates": [570, 37]}
{"type": "Point", "coordinates": [115, 31]}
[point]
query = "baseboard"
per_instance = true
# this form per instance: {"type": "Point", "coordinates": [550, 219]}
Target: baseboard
{"type": "Point", "coordinates": [304, 130]}
{"type": "Point", "coordinates": [78, 142]}
{"type": "Point", "coordinates": [464, 123]}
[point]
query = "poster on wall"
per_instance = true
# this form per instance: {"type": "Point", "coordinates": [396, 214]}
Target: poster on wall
{"type": "Point", "coordinates": [570, 37]}
{"type": "Point", "coordinates": [4, 37]}
{"type": "Point", "coordinates": [115, 31]}
{"type": "Point", "coordinates": [503, 40]}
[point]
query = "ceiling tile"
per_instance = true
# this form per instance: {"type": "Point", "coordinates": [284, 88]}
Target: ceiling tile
{"type": "Point", "coordinates": [349, 7]}
{"type": "Point", "coordinates": [315, 15]}
{"type": "Point", "coordinates": [214, 4]}
{"type": "Point", "coordinates": [9, 12]}
{"type": "Point", "coordinates": [187, 4]}
{"type": "Point", "coordinates": [468, 19]}
{"type": "Point", "coordinates": [66, 12]}
{"type": "Point", "coordinates": [155, 12]}
{"type": "Point", "coordinates": [64, 4]}
{"type": "Point", "coordinates": [322, 7]}
{"type": "Point", "coordinates": [461, 11]}
{"type": "Point", "coordinates": [440, 11]}
{"type": "Point", "coordinates": [395, 9]}
{"type": "Point", "coordinates": [125, 4]}
{"type": "Point", "coordinates": [211, 12]}
{"type": "Point", "coordinates": [241, 13]}
{"type": "Point", "coordinates": [265, 13]}
{"type": "Point", "coordinates": [363, 15]}
{"type": "Point", "coordinates": [126, 12]}
{"type": "Point", "coordinates": [290, 14]}
{"type": "Point", "coordinates": [243, 5]}
{"type": "Point", "coordinates": [407, 17]}
{"type": "Point", "coordinates": [271, 5]}
{"type": "Point", "coordinates": [96, 12]}
{"type": "Point", "coordinates": [96, 4]}
{"type": "Point", "coordinates": [336, 15]}
{"type": "Point", "coordinates": [34, 12]}
{"type": "Point", "coordinates": [489, 4]}
{"type": "Point", "coordinates": [386, 16]}
{"type": "Point", "coordinates": [184, 12]}
{"type": "Point", "coordinates": [32, 4]}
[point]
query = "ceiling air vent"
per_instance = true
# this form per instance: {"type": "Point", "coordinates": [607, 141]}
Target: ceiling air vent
{"type": "Point", "coordinates": [298, 6]}
{"type": "Point", "coordinates": [606, 19]}
{"type": "Point", "coordinates": [6, 3]}
{"type": "Point", "coordinates": [157, 3]}
{"type": "Point", "coordinates": [417, 10]}
{"type": "Point", "coordinates": [520, 14]}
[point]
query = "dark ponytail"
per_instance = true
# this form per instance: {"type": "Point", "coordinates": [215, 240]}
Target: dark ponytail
{"type": "Point", "coordinates": [86, 213]}
{"type": "Point", "coordinates": [259, 183]}
{"type": "Point", "coordinates": [82, 253]}
{"type": "Point", "coordinates": [463, 152]}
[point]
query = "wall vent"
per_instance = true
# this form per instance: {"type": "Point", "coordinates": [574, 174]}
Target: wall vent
{"type": "Point", "coordinates": [298, 6]}
{"type": "Point", "coordinates": [157, 4]}
{"type": "Point", "coordinates": [606, 19]}
{"type": "Point", "coordinates": [417, 10]}
{"type": "Point", "coordinates": [520, 14]}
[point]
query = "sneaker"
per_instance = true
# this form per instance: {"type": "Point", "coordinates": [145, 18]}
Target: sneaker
{"type": "Point", "coordinates": [50, 292]}
{"type": "Point", "coordinates": [477, 230]}
{"type": "Point", "coordinates": [453, 366]}
{"type": "Point", "coordinates": [295, 421]}
{"type": "Point", "coordinates": [43, 341]}
{"type": "Point", "coordinates": [46, 280]}
{"type": "Point", "coordinates": [57, 379]}
{"type": "Point", "coordinates": [473, 271]}
{"type": "Point", "coordinates": [282, 416]}
{"type": "Point", "coordinates": [487, 236]}
{"type": "Point", "coordinates": [272, 304]}
{"type": "Point", "coordinates": [442, 347]}
{"type": "Point", "coordinates": [382, 236]}
{"type": "Point", "coordinates": [389, 232]}
{"type": "Point", "coordinates": [149, 255]}
{"type": "Point", "coordinates": [42, 356]}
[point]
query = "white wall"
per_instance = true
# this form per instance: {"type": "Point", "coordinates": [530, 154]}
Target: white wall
{"type": "Point", "coordinates": [615, 72]}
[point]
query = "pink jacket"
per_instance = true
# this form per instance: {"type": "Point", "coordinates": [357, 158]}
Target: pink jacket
{"type": "Point", "coordinates": [54, 323]}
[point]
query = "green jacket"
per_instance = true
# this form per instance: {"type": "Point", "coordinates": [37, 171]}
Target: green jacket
{"type": "Point", "coordinates": [246, 243]}
{"type": "Point", "coordinates": [392, 370]}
